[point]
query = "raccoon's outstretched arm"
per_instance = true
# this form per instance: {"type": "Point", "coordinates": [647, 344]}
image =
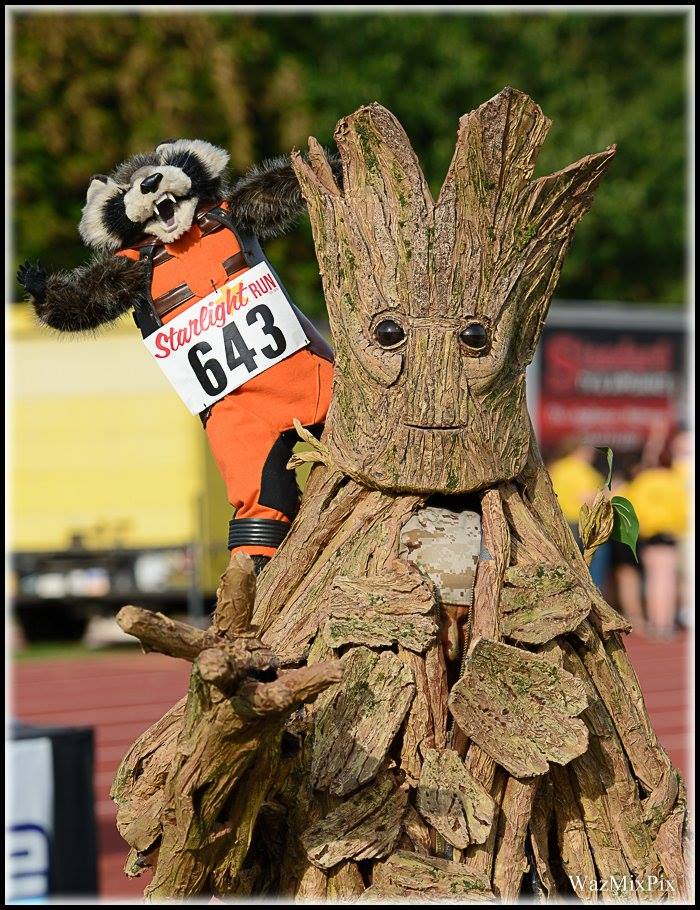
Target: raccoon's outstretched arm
{"type": "Point", "coordinates": [267, 200]}
{"type": "Point", "coordinates": [86, 297]}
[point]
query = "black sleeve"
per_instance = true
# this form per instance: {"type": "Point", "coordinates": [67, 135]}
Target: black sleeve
{"type": "Point", "coordinates": [267, 200]}
{"type": "Point", "coordinates": [90, 295]}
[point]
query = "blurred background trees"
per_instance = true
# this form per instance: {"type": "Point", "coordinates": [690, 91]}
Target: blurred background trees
{"type": "Point", "coordinates": [91, 89]}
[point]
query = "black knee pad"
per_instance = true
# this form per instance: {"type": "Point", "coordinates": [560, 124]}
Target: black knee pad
{"type": "Point", "coordinates": [256, 532]}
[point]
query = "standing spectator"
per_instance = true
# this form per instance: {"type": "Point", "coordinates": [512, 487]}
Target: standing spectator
{"type": "Point", "coordinates": [681, 462]}
{"type": "Point", "coordinates": [576, 483]}
{"type": "Point", "coordinates": [625, 569]}
{"type": "Point", "coordinates": [660, 498]}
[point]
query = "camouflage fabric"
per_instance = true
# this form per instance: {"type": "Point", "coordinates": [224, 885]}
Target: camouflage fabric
{"type": "Point", "coordinates": [446, 545]}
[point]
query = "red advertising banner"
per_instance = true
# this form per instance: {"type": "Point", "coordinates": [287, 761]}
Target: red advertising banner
{"type": "Point", "coordinates": [608, 385]}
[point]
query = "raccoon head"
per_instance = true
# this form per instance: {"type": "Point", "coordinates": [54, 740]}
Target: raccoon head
{"type": "Point", "coordinates": [156, 193]}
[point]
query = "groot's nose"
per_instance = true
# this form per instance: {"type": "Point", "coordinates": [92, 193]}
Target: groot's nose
{"type": "Point", "coordinates": [433, 357]}
{"type": "Point", "coordinates": [150, 184]}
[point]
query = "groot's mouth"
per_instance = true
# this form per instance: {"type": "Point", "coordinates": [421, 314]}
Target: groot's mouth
{"type": "Point", "coordinates": [445, 427]}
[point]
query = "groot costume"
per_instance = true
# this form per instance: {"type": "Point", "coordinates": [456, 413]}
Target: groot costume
{"type": "Point", "coordinates": [479, 728]}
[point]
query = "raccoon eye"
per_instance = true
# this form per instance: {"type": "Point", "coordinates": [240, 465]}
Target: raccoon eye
{"type": "Point", "coordinates": [474, 338]}
{"type": "Point", "coordinates": [389, 333]}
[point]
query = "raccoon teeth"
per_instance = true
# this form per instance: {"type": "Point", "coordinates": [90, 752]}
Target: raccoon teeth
{"type": "Point", "coordinates": [165, 210]}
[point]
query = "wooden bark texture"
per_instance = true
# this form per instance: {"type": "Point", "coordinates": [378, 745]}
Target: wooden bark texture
{"type": "Point", "coordinates": [452, 801]}
{"type": "Point", "coordinates": [326, 749]}
{"type": "Point", "coordinates": [190, 790]}
{"type": "Point", "coordinates": [365, 826]}
{"type": "Point", "coordinates": [410, 877]}
{"type": "Point", "coordinates": [357, 722]}
{"type": "Point", "coordinates": [540, 602]}
{"type": "Point", "coordinates": [519, 709]}
{"type": "Point", "coordinates": [489, 249]}
{"type": "Point", "coordinates": [511, 863]}
{"type": "Point", "coordinates": [382, 611]}
{"type": "Point", "coordinates": [347, 530]}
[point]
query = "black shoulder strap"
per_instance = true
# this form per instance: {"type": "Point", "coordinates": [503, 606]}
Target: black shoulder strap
{"type": "Point", "coordinates": [145, 316]}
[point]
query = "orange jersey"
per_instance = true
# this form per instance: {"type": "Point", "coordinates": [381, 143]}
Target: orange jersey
{"type": "Point", "coordinates": [250, 430]}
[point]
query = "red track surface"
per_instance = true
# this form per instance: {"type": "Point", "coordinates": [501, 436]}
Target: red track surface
{"type": "Point", "coordinates": [121, 696]}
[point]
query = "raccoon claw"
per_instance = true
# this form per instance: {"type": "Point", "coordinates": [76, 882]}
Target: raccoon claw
{"type": "Point", "coordinates": [32, 277]}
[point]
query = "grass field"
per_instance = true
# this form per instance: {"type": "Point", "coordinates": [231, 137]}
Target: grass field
{"type": "Point", "coordinates": [68, 651]}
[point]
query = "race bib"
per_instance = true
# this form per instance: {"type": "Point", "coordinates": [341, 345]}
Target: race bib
{"type": "Point", "coordinates": [227, 338]}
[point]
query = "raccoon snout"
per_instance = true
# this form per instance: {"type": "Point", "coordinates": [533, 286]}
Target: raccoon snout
{"type": "Point", "coordinates": [151, 183]}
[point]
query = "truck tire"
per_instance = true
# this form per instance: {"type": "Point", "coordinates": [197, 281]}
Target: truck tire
{"type": "Point", "coordinates": [52, 622]}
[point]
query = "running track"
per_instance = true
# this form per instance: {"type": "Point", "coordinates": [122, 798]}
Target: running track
{"type": "Point", "coordinates": [120, 696]}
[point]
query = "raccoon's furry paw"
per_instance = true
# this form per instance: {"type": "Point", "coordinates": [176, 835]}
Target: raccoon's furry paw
{"type": "Point", "coordinates": [32, 277]}
{"type": "Point", "coordinates": [84, 298]}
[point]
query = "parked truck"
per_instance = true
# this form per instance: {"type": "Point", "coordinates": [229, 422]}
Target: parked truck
{"type": "Point", "coordinates": [114, 496]}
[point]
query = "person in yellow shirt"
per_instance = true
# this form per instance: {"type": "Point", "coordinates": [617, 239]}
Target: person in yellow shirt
{"type": "Point", "coordinates": [625, 569]}
{"type": "Point", "coordinates": [660, 496]}
{"type": "Point", "coordinates": [660, 499]}
{"type": "Point", "coordinates": [576, 483]}
{"type": "Point", "coordinates": [574, 479]}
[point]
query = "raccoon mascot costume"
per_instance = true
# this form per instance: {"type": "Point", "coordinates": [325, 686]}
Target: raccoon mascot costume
{"type": "Point", "coordinates": [169, 232]}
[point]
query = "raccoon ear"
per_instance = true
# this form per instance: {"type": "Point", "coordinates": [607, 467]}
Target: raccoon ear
{"type": "Point", "coordinates": [211, 157]}
{"type": "Point", "coordinates": [98, 184]}
{"type": "Point", "coordinates": [95, 224]}
{"type": "Point", "coordinates": [161, 147]}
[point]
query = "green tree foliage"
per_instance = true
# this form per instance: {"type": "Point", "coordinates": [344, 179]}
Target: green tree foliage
{"type": "Point", "coordinates": [91, 89]}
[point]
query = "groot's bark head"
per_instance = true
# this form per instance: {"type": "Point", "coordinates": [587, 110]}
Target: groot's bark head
{"type": "Point", "coordinates": [436, 307]}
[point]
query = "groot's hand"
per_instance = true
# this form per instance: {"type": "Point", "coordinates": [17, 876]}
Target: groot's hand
{"type": "Point", "coordinates": [173, 788]}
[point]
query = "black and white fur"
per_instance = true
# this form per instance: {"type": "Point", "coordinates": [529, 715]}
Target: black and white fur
{"type": "Point", "coordinates": [156, 194]}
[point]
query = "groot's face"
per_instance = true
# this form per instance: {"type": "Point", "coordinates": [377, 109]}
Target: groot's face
{"type": "Point", "coordinates": [424, 340]}
{"type": "Point", "coordinates": [436, 307]}
{"type": "Point", "coordinates": [427, 403]}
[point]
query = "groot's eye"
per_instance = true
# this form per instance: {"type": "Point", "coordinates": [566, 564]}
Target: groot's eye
{"type": "Point", "coordinates": [474, 338]}
{"type": "Point", "coordinates": [389, 333]}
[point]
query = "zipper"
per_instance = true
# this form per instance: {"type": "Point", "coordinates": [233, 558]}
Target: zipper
{"type": "Point", "coordinates": [447, 850]}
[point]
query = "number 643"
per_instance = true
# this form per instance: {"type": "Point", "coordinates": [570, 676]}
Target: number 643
{"type": "Point", "coordinates": [210, 374]}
